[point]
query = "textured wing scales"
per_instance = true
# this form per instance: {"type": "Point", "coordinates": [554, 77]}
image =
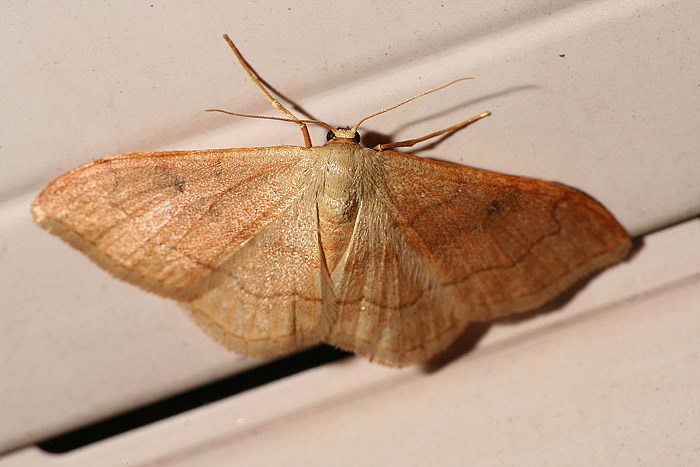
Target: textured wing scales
{"type": "Point", "coordinates": [390, 306]}
{"type": "Point", "coordinates": [274, 295]}
{"type": "Point", "coordinates": [444, 245]}
{"type": "Point", "coordinates": [165, 221]}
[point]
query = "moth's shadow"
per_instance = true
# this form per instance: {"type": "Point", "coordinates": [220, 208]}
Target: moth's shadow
{"type": "Point", "coordinates": [476, 331]}
{"type": "Point", "coordinates": [372, 138]}
{"type": "Point", "coordinates": [464, 104]}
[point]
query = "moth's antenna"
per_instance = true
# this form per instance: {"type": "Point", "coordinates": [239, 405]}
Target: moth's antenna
{"type": "Point", "coordinates": [354, 129]}
{"type": "Point", "coordinates": [410, 142]}
{"type": "Point", "coordinates": [253, 76]}
{"type": "Point", "coordinates": [267, 117]}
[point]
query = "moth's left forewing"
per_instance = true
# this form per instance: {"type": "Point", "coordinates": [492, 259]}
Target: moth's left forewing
{"type": "Point", "coordinates": [164, 221]}
{"type": "Point", "coordinates": [500, 244]}
{"type": "Point", "coordinates": [437, 246]}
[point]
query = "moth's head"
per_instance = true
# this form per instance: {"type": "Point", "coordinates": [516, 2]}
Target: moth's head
{"type": "Point", "coordinates": [343, 136]}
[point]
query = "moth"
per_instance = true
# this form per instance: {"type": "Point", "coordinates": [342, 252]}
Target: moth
{"type": "Point", "coordinates": [378, 252]}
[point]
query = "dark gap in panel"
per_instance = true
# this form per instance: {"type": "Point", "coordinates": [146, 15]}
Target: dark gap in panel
{"type": "Point", "coordinates": [192, 399]}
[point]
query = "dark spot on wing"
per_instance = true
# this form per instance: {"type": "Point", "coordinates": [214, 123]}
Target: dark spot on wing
{"type": "Point", "coordinates": [179, 184]}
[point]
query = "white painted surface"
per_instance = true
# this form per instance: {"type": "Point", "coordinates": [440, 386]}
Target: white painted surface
{"type": "Point", "coordinates": [617, 116]}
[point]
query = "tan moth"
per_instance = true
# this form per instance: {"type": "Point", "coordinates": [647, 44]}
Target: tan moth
{"type": "Point", "coordinates": [381, 253]}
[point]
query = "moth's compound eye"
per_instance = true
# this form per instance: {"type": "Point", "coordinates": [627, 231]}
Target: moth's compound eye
{"type": "Point", "coordinates": [356, 137]}
{"type": "Point", "coordinates": [330, 135]}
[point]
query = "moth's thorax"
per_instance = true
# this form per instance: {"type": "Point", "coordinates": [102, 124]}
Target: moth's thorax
{"type": "Point", "coordinates": [341, 162]}
{"type": "Point", "coordinates": [339, 165]}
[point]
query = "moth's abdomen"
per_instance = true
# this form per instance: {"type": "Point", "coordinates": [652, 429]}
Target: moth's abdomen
{"type": "Point", "coordinates": [337, 202]}
{"type": "Point", "coordinates": [336, 221]}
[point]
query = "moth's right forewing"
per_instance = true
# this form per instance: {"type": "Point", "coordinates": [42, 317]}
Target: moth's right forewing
{"type": "Point", "coordinates": [500, 244]}
{"type": "Point", "coordinates": [164, 221]}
